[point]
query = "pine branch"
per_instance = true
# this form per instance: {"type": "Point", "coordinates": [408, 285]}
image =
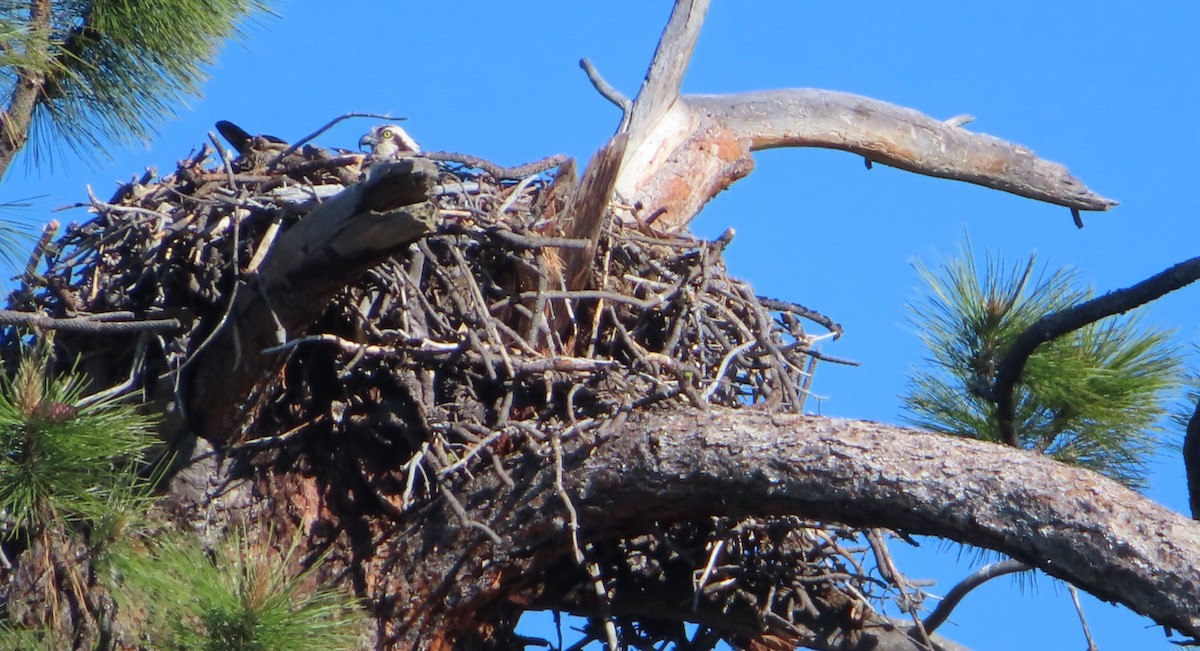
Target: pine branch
{"type": "Point", "coordinates": [30, 77]}
{"type": "Point", "coordinates": [1055, 325]}
{"type": "Point", "coordinates": [118, 67]}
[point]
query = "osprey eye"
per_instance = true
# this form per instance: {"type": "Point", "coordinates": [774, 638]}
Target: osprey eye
{"type": "Point", "coordinates": [387, 133]}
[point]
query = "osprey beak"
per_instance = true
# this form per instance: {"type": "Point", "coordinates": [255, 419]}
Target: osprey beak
{"type": "Point", "coordinates": [366, 141]}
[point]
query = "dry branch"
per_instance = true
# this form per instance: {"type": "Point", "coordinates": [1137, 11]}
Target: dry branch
{"type": "Point", "coordinates": [660, 90]}
{"type": "Point", "coordinates": [89, 323]}
{"type": "Point", "coordinates": [959, 591]}
{"type": "Point", "coordinates": [684, 150]}
{"type": "Point", "coordinates": [895, 136]}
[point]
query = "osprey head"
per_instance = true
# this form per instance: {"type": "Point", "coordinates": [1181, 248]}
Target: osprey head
{"type": "Point", "coordinates": [389, 141]}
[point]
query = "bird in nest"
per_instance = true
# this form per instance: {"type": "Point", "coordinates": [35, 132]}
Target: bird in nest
{"type": "Point", "coordinates": [389, 142]}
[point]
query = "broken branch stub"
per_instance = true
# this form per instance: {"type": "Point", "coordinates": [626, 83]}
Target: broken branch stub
{"type": "Point", "coordinates": [331, 247]}
{"type": "Point", "coordinates": [349, 234]}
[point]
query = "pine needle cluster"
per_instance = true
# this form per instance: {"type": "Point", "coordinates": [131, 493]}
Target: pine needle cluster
{"type": "Point", "coordinates": [74, 485]}
{"type": "Point", "coordinates": [241, 596]}
{"type": "Point", "coordinates": [114, 68]}
{"type": "Point", "coordinates": [61, 464]}
{"type": "Point", "coordinates": [1092, 397]}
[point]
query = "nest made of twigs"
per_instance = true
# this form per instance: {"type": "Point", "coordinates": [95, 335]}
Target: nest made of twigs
{"type": "Point", "coordinates": [453, 352]}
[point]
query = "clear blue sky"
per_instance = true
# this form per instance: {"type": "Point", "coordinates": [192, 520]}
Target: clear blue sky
{"type": "Point", "coordinates": [1109, 88]}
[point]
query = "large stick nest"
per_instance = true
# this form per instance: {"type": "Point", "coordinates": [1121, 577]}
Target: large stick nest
{"type": "Point", "coordinates": [456, 352]}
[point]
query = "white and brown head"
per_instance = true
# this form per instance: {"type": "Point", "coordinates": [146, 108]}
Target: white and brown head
{"type": "Point", "coordinates": [388, 141]}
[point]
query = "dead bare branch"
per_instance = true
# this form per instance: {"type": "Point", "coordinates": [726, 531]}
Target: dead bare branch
{"type": "Point", "coordinates": [660, 91]}
{"type": "Point", "coordinates": [959, 591]}
{"type": "Point", "coordinates": [684, 150]}
{"type": "Point", "coordinates": [90, 323]}
{"type": "Point", "coordinates": [607, 91]}
{"type": "Point", "coordinates": [895, 136]}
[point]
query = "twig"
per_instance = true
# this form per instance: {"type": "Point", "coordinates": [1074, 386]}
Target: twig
{"type": "Point", "coordinates": [414, 464]}
{"type": "Point", "coordinates": [264, 246]}
{"type": "Point", "coordinates": [974, 580]}
{"type": "Point", "coordinates": [498, 172]}
{"type": "Point", "coordinates": [465, 519]}
{"type": "Point", "coordinates": [537, 242]}
{"type": "Point", "coordinates": [1087, 633]}
{"type": "Point", "coordinates": [270, 441]}
{"type": "Point", "coordinates": [592, 293]}
{"type": "Point", "coordinates": [328, 125]}
{"type": "Point", "coordinates": [720, 374]}
{"type": "Point", "coordinates": [226, 164]}
{"type": "Point", "coordinates": [40, 249]}
{"type": "Point", "coordinates": [466, 458]}
{"type": "Point", "coordinates": [816, 354]}
{"type": "Point", "coordinates": [713, 555]}
{"type": "Point", "coordinates": [807, 313]}
{"type": "Point", "coordinates": [514, 194]}
{"type": "Point", "coordinates": [139, 356]}
{"type": "Point", "coordinates": [887, 569]}
{"type": "Point", "coordinates": [609, 93]}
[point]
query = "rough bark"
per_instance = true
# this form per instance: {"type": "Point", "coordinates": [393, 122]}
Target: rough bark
{"type": "Point", "coordinates": [443, 584]}
{"type": "Point", "coordinates": [1069, 522]}
{"type": "Point", "coordinates": [30, 80]}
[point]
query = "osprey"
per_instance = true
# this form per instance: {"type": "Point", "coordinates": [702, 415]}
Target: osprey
{"type": "Point", "coordinates": [388, 142]}
{"type": "Point", "coordinates": [242, 141]}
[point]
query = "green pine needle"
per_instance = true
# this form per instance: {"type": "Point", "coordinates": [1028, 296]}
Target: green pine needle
{"type": "Point", "coordinates": [60, 464]}
{"type": "Point", "coordinates": [242, 596]}
{"type": "Point", "coordinates": [117, 68]}
{"type": "Point", "coordinates": [1091, 398]}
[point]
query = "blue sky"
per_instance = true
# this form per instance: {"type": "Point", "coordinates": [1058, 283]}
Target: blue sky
{"type": "Point", "coordinates": [1108, 88]}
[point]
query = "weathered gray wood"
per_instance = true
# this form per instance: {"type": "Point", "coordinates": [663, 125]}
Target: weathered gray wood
{"type": "Point", "coordinates": [586, 209]}
{"type": "Point", "coordinates": [660, 89]}
{"type": "Point", "coordinates": [684, 150]}
{"type": "Point", "coordinates": [896, 136]}
{"type": "Point", "coordinates": [347, 235]}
